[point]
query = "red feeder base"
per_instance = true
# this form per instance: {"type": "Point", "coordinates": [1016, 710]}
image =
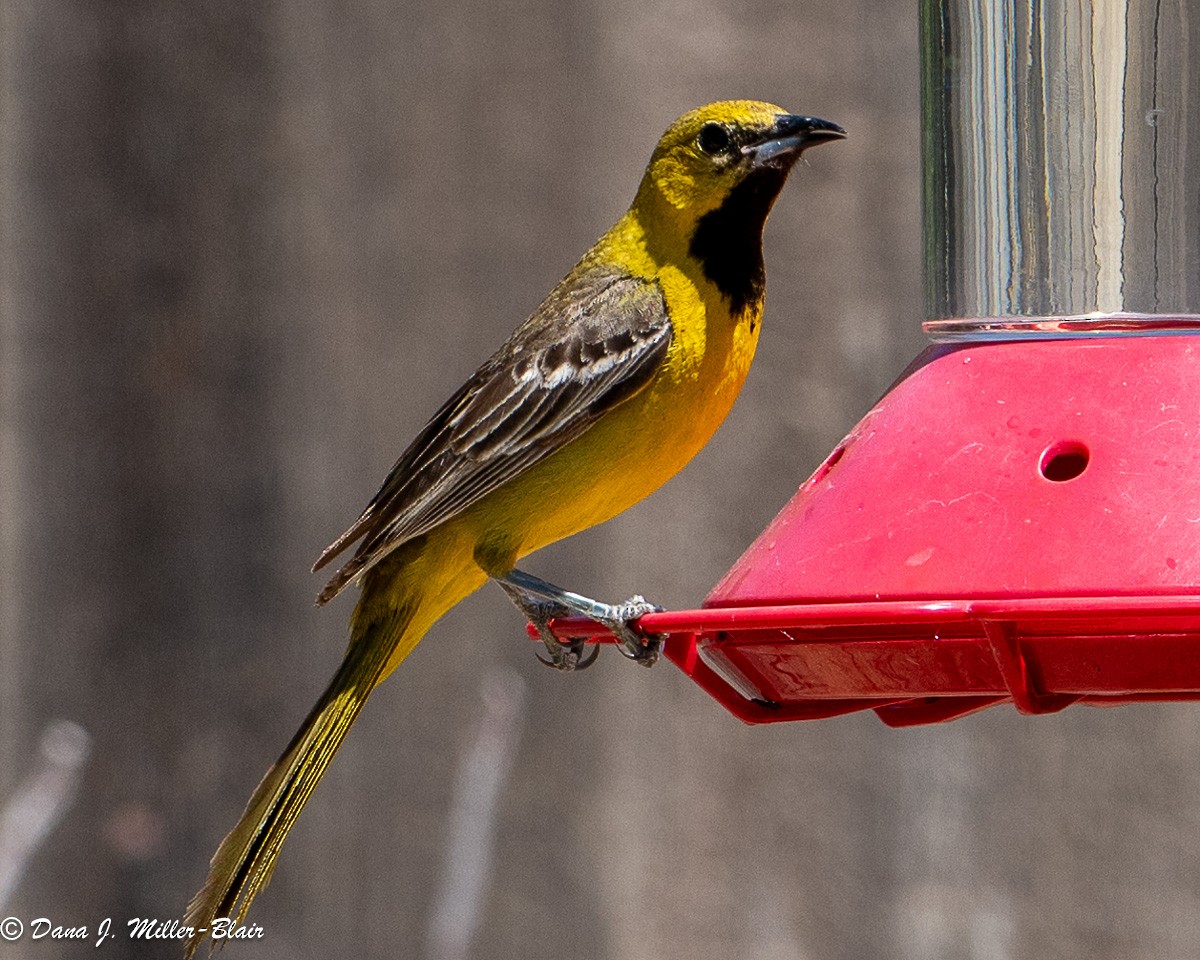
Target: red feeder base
{"type": "Point", "coordinates": [1013, 521]}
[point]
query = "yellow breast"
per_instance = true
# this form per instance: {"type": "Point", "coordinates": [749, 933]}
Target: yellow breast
{"type": "Point", "coordinates": [639, 446]}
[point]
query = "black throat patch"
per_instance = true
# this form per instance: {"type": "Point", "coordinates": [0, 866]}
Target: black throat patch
{"type": "Point", "coordinates": [728, 240]}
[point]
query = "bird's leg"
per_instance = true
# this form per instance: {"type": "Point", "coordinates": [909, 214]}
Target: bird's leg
{"type": "Point", "coordinates": [541, 602]}
{"type": "Point", "coordinates": [563, 656]}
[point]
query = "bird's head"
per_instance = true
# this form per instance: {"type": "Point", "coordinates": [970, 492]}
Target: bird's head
{"type": "Point", "coordinates": [710, 185]}
{"type": "Point", "coordinates": [707, 153]}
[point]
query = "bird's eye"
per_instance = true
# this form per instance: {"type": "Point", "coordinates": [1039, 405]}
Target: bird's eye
{"type": "Point", "coordinates": [714, 138]}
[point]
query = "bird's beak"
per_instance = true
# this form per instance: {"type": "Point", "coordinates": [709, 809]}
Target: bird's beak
{"type": "Point", "coordinates": [788, 137]}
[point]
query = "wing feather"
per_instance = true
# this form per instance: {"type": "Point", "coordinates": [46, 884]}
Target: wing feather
{"type": "Point", "coordinates": [596, 341]}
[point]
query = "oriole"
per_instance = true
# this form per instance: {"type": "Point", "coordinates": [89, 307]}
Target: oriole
{"type": "Point", "coordinates": [604, 393]}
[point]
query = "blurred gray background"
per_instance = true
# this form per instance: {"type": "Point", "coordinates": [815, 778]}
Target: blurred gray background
{"type": "Point", "coordinates": [245, 250]}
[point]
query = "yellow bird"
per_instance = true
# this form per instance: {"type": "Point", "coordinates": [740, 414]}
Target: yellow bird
{"type": "Point", "coordinates": [611, 386]}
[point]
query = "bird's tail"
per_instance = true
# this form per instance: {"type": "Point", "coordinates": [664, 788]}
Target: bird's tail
{"type": "Point", "coordinates": [242, 865]}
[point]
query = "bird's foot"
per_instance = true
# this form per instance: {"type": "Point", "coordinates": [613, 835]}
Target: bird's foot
{"type": "Point", "coordinates": [566, 655]}
{"type": "Point", "coordinates": [643, 648]}
{"type": "Point", "coordinates": [542, 602]}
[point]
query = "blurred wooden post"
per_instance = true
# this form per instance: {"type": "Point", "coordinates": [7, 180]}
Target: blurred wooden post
{"type": "Point", "coordinates": [12, 702]}
{"type": "Point", "coordinates": [136, 537]}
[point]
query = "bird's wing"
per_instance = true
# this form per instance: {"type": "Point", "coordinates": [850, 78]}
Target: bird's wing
{"type": "Point", "coordinates": [596, 340]}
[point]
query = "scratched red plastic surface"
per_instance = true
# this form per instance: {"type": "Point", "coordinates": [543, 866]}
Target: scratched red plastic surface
{"type": "Point", "coordinates": [1014, 521]}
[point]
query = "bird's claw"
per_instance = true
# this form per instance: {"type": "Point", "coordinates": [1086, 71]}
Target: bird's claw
{"type": "Point", "coordinates": [643, 648]}
{"type": "Point", "coordinates": [568, 656]}
{"type": "Point", "coordinates": [565, 655]}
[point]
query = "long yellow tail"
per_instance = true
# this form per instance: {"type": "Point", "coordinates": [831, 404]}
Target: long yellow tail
{"type": "Point", "coordinates": [242, 865]}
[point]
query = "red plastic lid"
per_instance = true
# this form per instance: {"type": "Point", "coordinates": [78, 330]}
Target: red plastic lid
{"type": "Point", "coordinates": [1026, 468]}
{"type": "Point", "coordinates": [1012, 521]}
